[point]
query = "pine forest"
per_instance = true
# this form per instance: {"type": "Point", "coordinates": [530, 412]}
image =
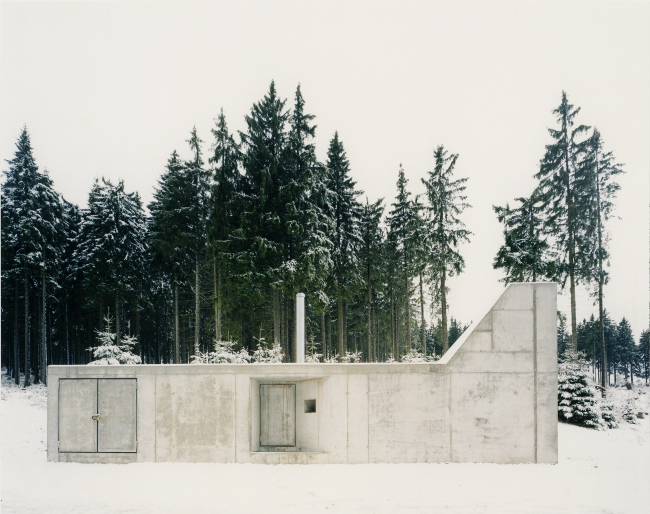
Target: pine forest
{"type": "Point", "coordinates": [209, 270]}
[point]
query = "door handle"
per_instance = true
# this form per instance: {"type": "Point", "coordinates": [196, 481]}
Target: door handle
{"type": "Point", "coordinates": [96, 417]}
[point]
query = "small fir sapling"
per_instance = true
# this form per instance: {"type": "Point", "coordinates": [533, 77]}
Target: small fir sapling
{"type": "Point", "coordinates": [313, 356]}
{"type": "Point", "coordinates": [224, 353]}
{"type": "Point", "coordinates": [352, 357]}
{"type": "Point", "coordinates": [108, 352]}
{"type": "Point", "coordinates": [414, 357]}
{"type": "Point", "coordinates": [577, 402]}
{"type": "Point", "coordinates": [629, 411]}
{"type": "Point", "coordinates": [266, 353]}
{"type": "Point", "coordinates": [608, 416]}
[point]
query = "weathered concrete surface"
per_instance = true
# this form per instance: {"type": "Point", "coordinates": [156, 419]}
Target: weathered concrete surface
{"type": "Point", "coordinates": [491, 398]}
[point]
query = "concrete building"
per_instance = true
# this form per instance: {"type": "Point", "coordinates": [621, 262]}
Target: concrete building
{"type": "Point", "coordinates": [491, 398]}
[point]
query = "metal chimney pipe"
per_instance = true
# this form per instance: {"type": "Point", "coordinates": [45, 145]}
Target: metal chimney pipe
{"type": "Point", "coordinates": [300, 328]}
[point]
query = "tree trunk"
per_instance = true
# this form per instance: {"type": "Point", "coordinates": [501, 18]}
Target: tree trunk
{"type": "Point", "coordinates": [291, 333]}
{"type": "Point", "coordinates": [339, 302]}
{"type": "Point", "coordinates": [101, 312]}
{"type": "Point", "coordinates": [36, 359]}
{"type": "Point", "coordinates": [67, 334]}
{"type": "Point", "coordinates": [276, 317]}
{"type": "Point", "coordinates": [444, 336]}
{"type": "Point", "coordinates": [177, 343]}
{"type": "Point", "coordinates": [574, 329]}
{"type": "Point", "coordinates": [330, 346]}
{"type": "Point", "coordinates": [322, 333]}
{"type": "Point", "coordinates": [570, 222]}
{"type": "Point", "coordinates": [408, 312]}
{"type": "Point", "coordinates": [423, 327]}
{"type": "Point", "coordinates": [44, 336]}
{"type": "Point", "coordinates": [118, 332]}
{"type": "Point", "coordinates": [392, 327]}
{"type": "Point", "coordinates": [27, 352]}
{"type": "Point", "coordinates": [369, 356]}
{"type": "Point", "coordinates": [16, 338]}
{"type": "Point", "coordinates": [601, 279]}
{"type": "Point", "coordinates": [217, 302]}
{"type": "Point", "coordinates": [137, 334]}
{"type": "Point", "coordinates": [196, 307]}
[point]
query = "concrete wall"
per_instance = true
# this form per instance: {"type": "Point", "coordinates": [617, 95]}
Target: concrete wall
{"type": "Point", "coordinates": [491, 398]}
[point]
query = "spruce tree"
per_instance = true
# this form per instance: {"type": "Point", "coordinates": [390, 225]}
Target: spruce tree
{"type": "Point", "coordinates": [598, 169]}
{"type": "Point", "coordinates": [644, 354]}
{"type": "Point", "coordinates": [446, 202]}
{"type": "Point", "coordinates": [370, 260]}
{"type": "Point", "coordinates": [524, 256]}
{"type": "Point", "coordinates": [562, 192]}
{"type": "Point", "coordinates": [307, 262]}
{"type": "Point", "coordinates": [422, 252]}
{"type": "Point", "coordinates": [197, 209]}
{"type": "Point", "coordinates": [344, 211]}
{"type": "Point", "coordinates": [576, 397]}
{"type": "Point", "coordinates": [563, 338]}
{"type": "Point", "coordinates": [224, 212]}
{"type": "Point", "coordinates": [262, 250]}
{"type": "Point", "coordinates": [112, 244]}
{"type": "Point", "coordinates": [403, 223]}
{"type": "Point", "coordinates": [628, 353]}
{"type": "Point", "coordinates": [169, 236]}
{"type": "Point", "coordinates": [31, 238]}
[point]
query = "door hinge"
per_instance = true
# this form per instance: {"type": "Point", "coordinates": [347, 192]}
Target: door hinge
{"type": "Point", "coordinates": [58, 445]}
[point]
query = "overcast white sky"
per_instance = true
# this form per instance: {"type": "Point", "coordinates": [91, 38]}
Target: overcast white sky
{"type": "Point", "coordinates": [111, 88]}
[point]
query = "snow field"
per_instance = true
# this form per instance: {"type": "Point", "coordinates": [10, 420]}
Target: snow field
{"type": "Point", "coordinates": [599, 472]}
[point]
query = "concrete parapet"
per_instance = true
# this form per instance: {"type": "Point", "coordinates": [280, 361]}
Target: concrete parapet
{"type": "Point", "coordinates": [491, 398]}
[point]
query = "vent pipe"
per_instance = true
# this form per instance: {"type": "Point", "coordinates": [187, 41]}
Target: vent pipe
{"type": "Point", "coordinates": [300, 328]}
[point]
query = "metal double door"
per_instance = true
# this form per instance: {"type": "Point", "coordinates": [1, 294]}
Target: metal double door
{"type": "Point", "coordinates": [98, 415]}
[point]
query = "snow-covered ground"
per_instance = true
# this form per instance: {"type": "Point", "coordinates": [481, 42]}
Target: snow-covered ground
{"type": "Point", "coordinates": [598, 472]}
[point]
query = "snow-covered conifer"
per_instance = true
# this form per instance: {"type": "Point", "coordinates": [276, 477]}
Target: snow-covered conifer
{"type": "Point", "coordinates": [577, 402]}
{"type": "Point", "coordinates": [110, 351]}
{"type": "Point", "coordinates": [267, 353]}
{"type": "Point", "coordinates": [224, 353]}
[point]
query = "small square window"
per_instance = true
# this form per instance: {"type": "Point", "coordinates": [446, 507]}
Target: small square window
{"type": "Point", "coordinates": [310, 406]}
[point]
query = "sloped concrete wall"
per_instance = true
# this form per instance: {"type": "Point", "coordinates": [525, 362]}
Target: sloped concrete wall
{"type": "Point", "coordinates": [491, 398]}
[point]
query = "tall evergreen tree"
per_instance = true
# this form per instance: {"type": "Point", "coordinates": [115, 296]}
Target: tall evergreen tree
{"type": "Point", "coordinates": [563, 339]}
{"type": "Point", "coordinates": [31, 217]}
{"type": "Point", "coordinates": [263, 252]}
{"type": "Point", "coordinates": [169, 234]}
{"type": "Point", "coordinates": [422, 253]}
{"type": "Point", "coordinates": [306, 225]}
{"type": "Point", "coordinates": [224, 212]}
{"type": "Point", "coordinates": [370, 257]}
{"type": "Point", "coordinates": [644, 354]}
{"type": "Point", "coordinates": [561, 188]}
{"type": "Point", "coordinates": [403, 223]}
{"type": "Point", "coordinates": [197, 176]}
{"type": "Point", "coordinates": [628, 353]}
{"type": "Point", "coordinates": [446, 204]}
{"type": "Point", "coordinates": [344, 211]}
{"type": "Point", "coordinates": [112, 244]}
{"type": "Point", "coordinates": [598, 169]}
